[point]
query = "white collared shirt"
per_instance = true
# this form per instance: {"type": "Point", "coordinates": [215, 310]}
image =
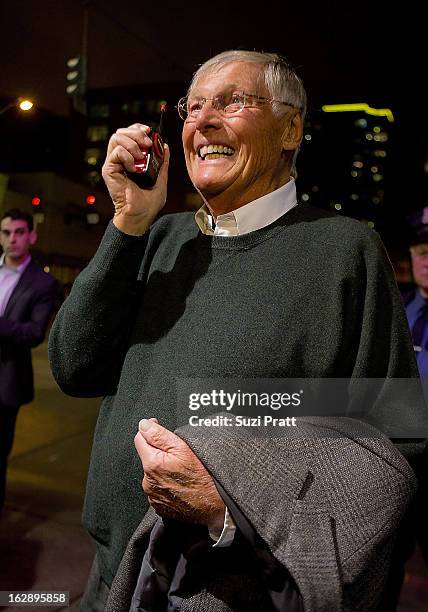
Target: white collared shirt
{"type": "Point", "coordinates": [9, 278]}
{"type": "Point", "coordinates": [250, 217]}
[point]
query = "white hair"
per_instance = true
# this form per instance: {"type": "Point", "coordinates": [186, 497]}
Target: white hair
{"type": "Point", "coordinates": [278, 75]}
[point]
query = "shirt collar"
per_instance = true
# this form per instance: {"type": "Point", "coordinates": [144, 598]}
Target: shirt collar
{"type": "Point", "coordinates": [251, 217]}
{"type": "Point", "coordinates": [19, 269]}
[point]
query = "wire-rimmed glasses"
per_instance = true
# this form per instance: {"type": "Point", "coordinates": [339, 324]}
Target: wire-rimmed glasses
{"type": "Point", "coordinates": [227, 105]}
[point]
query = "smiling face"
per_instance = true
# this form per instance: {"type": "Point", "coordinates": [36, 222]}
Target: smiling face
{"type": "Point", "coordinates": [232, 160]}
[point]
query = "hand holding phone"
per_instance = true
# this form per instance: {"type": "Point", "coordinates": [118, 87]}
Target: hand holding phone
{"type": "Point", "coordinates": [147, 170]}
{"type": "Point", "coordinates": [136, 172]}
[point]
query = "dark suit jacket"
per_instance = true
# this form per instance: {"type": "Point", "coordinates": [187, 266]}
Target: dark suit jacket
{"type": "Point", "coordinates": [325, 498]}
{"type": "Point", "coordinates": [22, 327]}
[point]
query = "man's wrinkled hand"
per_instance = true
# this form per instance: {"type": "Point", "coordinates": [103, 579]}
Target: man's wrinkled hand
{"type": "Point", "coordinates": [135, 208]}
{"type": "Point", "coordinates": [177, 484]}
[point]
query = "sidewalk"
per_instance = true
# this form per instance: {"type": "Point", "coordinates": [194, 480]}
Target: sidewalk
{"type": "Point", "coordinates": [42, 543]}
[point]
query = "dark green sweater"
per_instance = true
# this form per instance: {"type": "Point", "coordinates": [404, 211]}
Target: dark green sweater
{"type": "Point", "coordinates": [312, 295]}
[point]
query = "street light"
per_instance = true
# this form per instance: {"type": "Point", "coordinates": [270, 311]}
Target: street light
{"type": "Point", "coordinates": [22, 103]}
{"type": "Point", "coordinates": [26, 105]}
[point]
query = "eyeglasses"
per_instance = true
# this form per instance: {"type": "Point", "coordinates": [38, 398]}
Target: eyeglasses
{"type": "Point", "coordinates": [226, 104]}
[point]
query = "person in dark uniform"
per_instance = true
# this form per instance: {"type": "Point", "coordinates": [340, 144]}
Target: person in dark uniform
{"type": "Point", "coordinates": [416, 305]}
{"type": "Point", "coordinates": [416, 300]}
{"type": "Point", "coordinates": [28, 296]}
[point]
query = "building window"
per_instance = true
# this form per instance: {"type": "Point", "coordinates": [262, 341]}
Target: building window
{"type": "Point", "coordinates": [361, 123]}
{"type": "Point", "coordinates": [381, 137]}
{"type": "Point", "coordinates": [154, 106]}
{"type": "Point", "coordinates": [99, 111]}
{"type": "Point", "coordinates": [132, 107]}
{"type": "Point", "coordinates": [93, 156]}
{"type": "Point", "coordinates": [93, 178]}
{"type": "Point", "coordinates": [97, 132]}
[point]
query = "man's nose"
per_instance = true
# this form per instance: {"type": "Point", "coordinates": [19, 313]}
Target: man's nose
{"type": "Point", "coordinates": [208, 117]}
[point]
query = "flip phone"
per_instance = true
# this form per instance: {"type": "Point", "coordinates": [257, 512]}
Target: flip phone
{"type": "Point", "coordinates": [147, 169]}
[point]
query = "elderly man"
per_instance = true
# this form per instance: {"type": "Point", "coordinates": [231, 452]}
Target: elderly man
{"type": "Point", "coordinates": [252, 286]}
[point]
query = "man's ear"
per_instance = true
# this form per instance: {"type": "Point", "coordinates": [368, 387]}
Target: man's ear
{"type": "Point", "coordinates": [33, 237]}
{"type": "Point", "coordinates": [293, 133]}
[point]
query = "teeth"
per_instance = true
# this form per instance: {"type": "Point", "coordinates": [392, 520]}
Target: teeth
{"type": "Point", "coordinates": [210, 149]}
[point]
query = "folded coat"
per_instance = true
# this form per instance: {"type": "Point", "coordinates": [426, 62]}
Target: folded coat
{"type": "Point", "coordinates": [325, 499]}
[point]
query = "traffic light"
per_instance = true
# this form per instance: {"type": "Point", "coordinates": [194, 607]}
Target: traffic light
{"type": "Point", "coordinates": [76, 76]}
{"type": "Point", "coordinates": [38, 214]}
{"type": "Point", "coordinates": [92, 217]}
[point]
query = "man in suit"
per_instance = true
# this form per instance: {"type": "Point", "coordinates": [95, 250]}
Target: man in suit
{"type": "Point", "coordinates": [27, 299]}
{"type": "Point", "coordinates": [254, 286]}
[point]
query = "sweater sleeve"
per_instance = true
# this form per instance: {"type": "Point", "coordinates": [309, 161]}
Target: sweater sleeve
{"type": "Point", "coordinates": [385, 386]}
{"type": "Point", "coordinates": [88, 338]}
{"type": "Point", "coordinates": [385, 348]}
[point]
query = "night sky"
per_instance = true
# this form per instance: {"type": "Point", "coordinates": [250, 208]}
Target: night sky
{"type": "Point", "coordinates": [344, 51]}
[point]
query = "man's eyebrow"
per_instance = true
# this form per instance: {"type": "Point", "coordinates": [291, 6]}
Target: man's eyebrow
{"type": "Point", "coordinates": [225, 88]}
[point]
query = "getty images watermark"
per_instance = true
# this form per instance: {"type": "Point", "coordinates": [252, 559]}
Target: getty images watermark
{"type": "Point", "coordinates": [220, 400]}
{"type": "Point", "coordinates": [267, 405]}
